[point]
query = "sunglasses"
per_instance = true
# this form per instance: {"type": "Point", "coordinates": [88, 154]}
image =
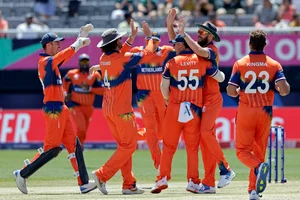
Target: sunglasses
{"type": "Point", "coordinates": [202, 32]}
{"type": "Point", "coordinates": [156, 41]}
{"type": "Point", "coordinates": [84, 62]}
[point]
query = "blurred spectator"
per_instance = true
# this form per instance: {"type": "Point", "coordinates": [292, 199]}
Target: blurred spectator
{"type": "Point", "coordinates": [232, 5]}
{"type": "Point", "coordinates": [188, 5]}
{"type": "Point", "coordinates": [213, 18]}
{"type": "Point", "coordinates": [249, 6]}
{"type": "Point", "coordinates": [46, 8]}
{"type": "Point", "coordinates": [117, 14]}
{"type": "Point", "coordinates": [265, 14]}
{"type": "Point", "coordinates": [126, 23]}
{"type": "Point", "coordinates": [30, 28]}
{"type": "Point", "coordinates": [296, 20]}
{"type": "Point", "coordinates": [286, 11]}
{"type": "Point", "coordinates": [203, 8]}
{"type": "Point", "coordinates": [3, 26]}
{"type": "Point", "coordinates": [125, 5]}
{"type": "Point", "coordinates": [146, 6]}
{"type": "Point", "coordinates": [73, 8]}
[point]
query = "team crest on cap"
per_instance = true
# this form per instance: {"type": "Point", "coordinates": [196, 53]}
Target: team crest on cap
{"type": "Point", "coordinates": [55, 34]}
{"type": "Point", "coordinates": [154, 33]}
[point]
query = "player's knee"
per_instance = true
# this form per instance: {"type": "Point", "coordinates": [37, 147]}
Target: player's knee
{"type": "Point", "coordinates": [56, 151]}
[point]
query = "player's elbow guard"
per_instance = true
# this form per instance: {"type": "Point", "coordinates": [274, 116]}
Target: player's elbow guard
{"type": "Point", "coordinates": [220, 76]}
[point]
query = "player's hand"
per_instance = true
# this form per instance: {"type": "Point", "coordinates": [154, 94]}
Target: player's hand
{"type": "Point", "coordinates": [84, 30]}
{"type": "Point", "coordinates": [171, 17]}
{"type": "Point", "coordinates": [134, 30]}
{"type": "Point", "coordinates": [146, 29]}
{"type": "Point", "coordinates": [181, 25]}
{"type": "Point", "coordinates": [94, 69]}
{"type": "Point", "coordinates": [80, 42]}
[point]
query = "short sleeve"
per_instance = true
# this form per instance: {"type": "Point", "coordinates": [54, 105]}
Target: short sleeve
{"type": "Point", "coordinates": [166, 73]}
{"type": "Point", "coordinates": [279, 75]}
{"type": "Point", "coordinates": [235, 76]}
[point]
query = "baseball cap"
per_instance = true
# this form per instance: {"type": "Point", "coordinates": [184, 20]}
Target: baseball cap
{"type": "Point", "coordinates": [84, 56]}
{"type": "Point", "coordinates": [50, 37]}
{"type": "Point", "coordinates": [178, 38]}
{"type": "Point", "coordinates": [155, 36]}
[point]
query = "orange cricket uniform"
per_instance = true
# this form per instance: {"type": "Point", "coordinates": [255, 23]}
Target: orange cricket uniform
{"type": "Point", "coordinates": [210, 147]}
{"type": "Point", "coordinates": [186, 73]}
{"type": "Point", "coordinates": [118, 111]}
{"type": "Point", "coordinates": [59, 128]}
{"type": "Point", "coordinates": [149, 99]}
{"type": "Point", "coordinates": [255, 75]}
{"type": "Point", "coordinates": [83, 88]}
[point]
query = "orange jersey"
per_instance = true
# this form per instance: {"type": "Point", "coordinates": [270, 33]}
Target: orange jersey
{"type": "Point", "coordinates": [256, 75]}
{"type": "Point", "coordinates": [49, 75]}
{"type": "Point", "coordinates": [115, 67]}
{"type": "Point", "coordinates": [211, 85]}
{"type": "Point", "coordinates": [149, 74]}
{"type": "Point", "coordinates": [186, 73]}
{"type": "Point", "coordinates": [82, 86]}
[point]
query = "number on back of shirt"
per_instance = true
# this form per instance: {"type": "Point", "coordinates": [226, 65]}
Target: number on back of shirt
{"type": "Point", "coordinates": [187, 80]}
{"type": "Point", "coordinates": [263, 76]}
{"type": "Point", "coordinates": [105, 80]}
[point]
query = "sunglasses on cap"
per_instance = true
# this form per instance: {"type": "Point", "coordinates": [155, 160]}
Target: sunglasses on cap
{"type": "Point", "coordinates": [202, 32]}
{"type": "Point", "coordinates": [84, 62]}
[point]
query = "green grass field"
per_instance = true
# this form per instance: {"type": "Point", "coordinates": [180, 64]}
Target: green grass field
{"type": "Point", "coordinates": [56, 178]}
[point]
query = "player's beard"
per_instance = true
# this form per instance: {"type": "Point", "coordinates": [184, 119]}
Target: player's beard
{"type": "Point", "coordinates": [84, 68]}
{"type": "Point", "coordinates": [203, 42]}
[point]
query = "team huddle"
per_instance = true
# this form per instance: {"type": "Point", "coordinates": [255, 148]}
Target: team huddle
{"type": "Point", "coordinates": [178, 92]}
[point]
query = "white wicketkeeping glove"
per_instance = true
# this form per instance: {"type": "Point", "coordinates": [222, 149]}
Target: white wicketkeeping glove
{"type": "Point", "coordinates": [84, 30]}
{"type": "Point", "coordinates": [80, 42]}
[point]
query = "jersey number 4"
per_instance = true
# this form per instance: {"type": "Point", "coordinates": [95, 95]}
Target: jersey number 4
{"type": "Point", "coordinates": [105, 80]}
{"type": "Point", "coordinates": [264, 76]}
{"type": "Point", "coordinates": [186, 80]}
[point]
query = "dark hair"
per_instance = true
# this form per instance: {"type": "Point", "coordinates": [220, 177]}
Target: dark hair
{"type": "Point", "coordinates": [258, 39]}
{"type": "Point", "coordinates": [186, 45]}
{"type": "Point", "coordinates": [44, 46]}
{"type": "Point", "coordinates": [110, 47]}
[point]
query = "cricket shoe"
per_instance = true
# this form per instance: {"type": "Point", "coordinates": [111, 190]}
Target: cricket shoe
{"type": "Point", "coordinates": [100, 184]}
{"type": "Point", "coordinates": [90, 186]}
{"type": "Point", "coordinates": [21, 182]}
{"type": "Point", "coordinates": [160, 185]}
{"type": "Point", "coordinates": [133, 190]}
{"type": "Point", "coordinates": [205, 189]}
{"type": "Point", "coordinates": [253, 195]}
{"type": "Point", "coordinates": [261, 177]}
{"type": "Point", "coordinates": [192, 187]}
{"type": "Point", "coordinates": [226, 179]}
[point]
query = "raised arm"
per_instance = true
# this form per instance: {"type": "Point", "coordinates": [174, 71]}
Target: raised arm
{"type": "Point", "coordinates": [200, 51]}
{"type": "Point", "coordinates": [170, 20]}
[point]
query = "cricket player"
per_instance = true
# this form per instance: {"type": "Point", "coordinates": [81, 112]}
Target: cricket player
{"type": "Point", "coordinates": [115, 64]}
{"type": "Point", "coordinates": [59, 127]}
{"type": "Point", "coordinates": [80, 88]}
{"type": "Point", "coordinates": [254, 78]}
{"type": "Point", "coordinates": [149, 98]}
{"type": "Point", "coordinates": [212, 99]}
{"type": "Point", "coordinates": [181, 88]}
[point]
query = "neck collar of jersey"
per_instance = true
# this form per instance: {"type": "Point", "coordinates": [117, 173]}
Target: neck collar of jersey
{"type": "Point", "coordinates": [186, 52]}
{"type": "Point", "coordinates": [256, 52]}
{"type": "Point", "coordinates": [111, 52]}
{"type": "Point", "coordinates": [44, 54]}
